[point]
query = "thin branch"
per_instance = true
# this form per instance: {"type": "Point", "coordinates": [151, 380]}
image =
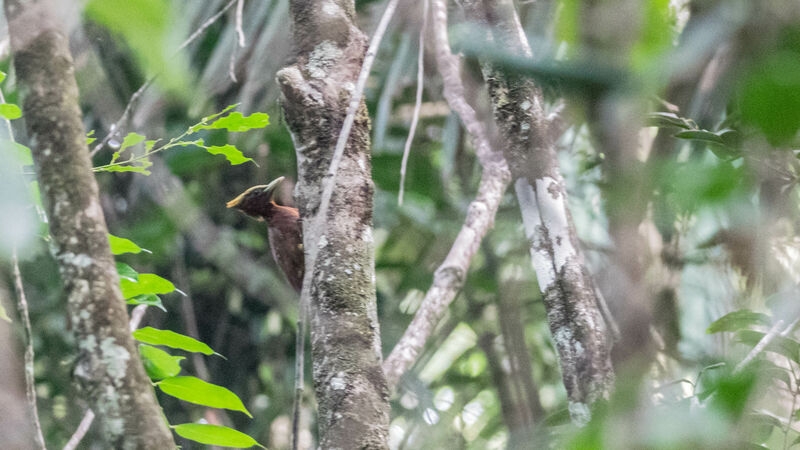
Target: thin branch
{"type": "Point", "coordinates": [116, 126]}
{"type": "Point", "coordinates": [418, 103]}
{"type": "Point", "coordinates": [239, 32]}
{"type": "Point", "coordinates": [22, 306]}
{"type": "Point", "coordinates": [317, 227]}
{"type": "Point", "coordinates": [30, 382]}
{"type": "Point", "coordinates": [449, 277]}
{"type": "Point", "coordinates": [773, 332]}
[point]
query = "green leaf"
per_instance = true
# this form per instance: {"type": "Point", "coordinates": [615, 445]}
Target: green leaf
{"type": "Point", "coordinates": [19, 152]}
{"type": "Point", "coordinates": [154, 336]}
{"type": "Point", "coordinates": [158, 363]}
{"type": "Point", "coordinates": [148, 145]}
{"type": "Point", "coordinates": [127, 272]}
{"type": "Point", "coordinates": [233, 154]}
{"type": "Point", "coordinates": [198, 126]}
{"type": "Point", "coordinates": [215, 435]}
{"type": "Point", "coordinates": [664, 120]}
{"type": "Point", "coordinates": [130, 140]}
{"type": "Point", "coordinates": [4, 314]}
{"type": "Point", "coordinates": [235, 121]}
{"type": "Point", "coordinates": [700, 135]}
{"type": "Point", "coordinates": [140, 168]}
{"type": "Point", "coordinates": [197, 391]}
{"type": "Point", "coordinates": [770, 95]}
{"type": "Point", "coordinates": [779, 344]}
{"type": "Point", "coordinates": [2, 76]}
{"type": "Point", "coordinates": [738, 320]}
{"type": "Point", "coordinates": [147, 299]}
{"type": "Point", "coordinates": [148, 283]}
{"type": "Point", "coordinates": [10, 111]}
{"type": "Point", "coordinates": [121, 245]}
{"type": "Point", "coordinates": [90, 137]}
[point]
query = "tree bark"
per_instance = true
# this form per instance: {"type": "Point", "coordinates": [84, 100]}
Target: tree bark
{"type": "Point", "coordinates": [573, 311]}
{"type": "Point", "coordinates": [108, 368]}
{"type": "Point", "coordinates": [350, 385]}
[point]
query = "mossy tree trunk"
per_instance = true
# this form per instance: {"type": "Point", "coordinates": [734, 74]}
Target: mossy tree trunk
{"type": "Point", "coordinates": [350, 385]}
{"type": "Point", "coordinates": [108, 368]}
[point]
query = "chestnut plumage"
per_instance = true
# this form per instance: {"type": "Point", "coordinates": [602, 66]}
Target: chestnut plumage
{"type": "Point", "coordinates": [283, 226]}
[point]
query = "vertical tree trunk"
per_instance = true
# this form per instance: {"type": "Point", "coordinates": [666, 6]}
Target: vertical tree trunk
{"type": "Point", "coordinates": [108, 367]}
{"type": "Point", "coordinates": [573, 312]}
{"type": "Point", "coordinates": [346, 354]}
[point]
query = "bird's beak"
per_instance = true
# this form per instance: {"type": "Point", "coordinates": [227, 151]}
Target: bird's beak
{"type": "Point", "coordinates": [270, 188]}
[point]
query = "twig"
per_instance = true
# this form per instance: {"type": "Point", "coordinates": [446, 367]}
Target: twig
{"type": "Point", "coordinates": [116, 126]}
{"type": "Point", "coordinates": [30, 382]}
{"type": "Point", "coordinates": [418, 104]}
{"type": "Point", "coordinates": [450, 275]}
{"type": "Point", "coordinates": [240, 42]}
{"type": "Point", "coordinates": [88, 418]}
{"type": "Point", "coordinates": [239, 32]}
{"type": "Point", "coordinates": [22, 306]}
{"type": "Point", "coordinates": [317, 227]}
{"type": "Point", "coordinates": [762, 344]}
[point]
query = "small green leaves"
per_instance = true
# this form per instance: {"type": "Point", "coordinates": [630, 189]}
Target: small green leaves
{"type": "Point", "coordinates": [159, 364]}
{"type": "Point", "coordinates": [168, 338]}
{"type": "Point", "coordinates": [147, 283]}
{"type": "Point", "coordinates": [233, 154]}
{"type": "Point", "coordinates": [130, 140]}
{"type": "Point", "coordinates": [235, 121]}
{"type": "Point", "coordinates": [10, 111]}
{"type": "Point", "coordinates": [738, 320]}
{"type": "Point", "coordinates": [121, 245]}
{"type": "Point", "coordinates": [197, 391]}
{"type": "Point", "coordinates": [139, 166]}
{"type": "Point", "coordinates": [215, 435]}
{"type": "Point", "coordinates": [90, 137]}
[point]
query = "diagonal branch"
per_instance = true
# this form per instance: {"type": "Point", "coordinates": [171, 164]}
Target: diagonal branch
{"type": "Point", "coordinates": [449, 277]}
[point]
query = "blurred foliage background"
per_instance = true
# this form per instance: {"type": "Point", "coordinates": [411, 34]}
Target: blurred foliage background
{"type": "Point", "coordinates": [718, 87]}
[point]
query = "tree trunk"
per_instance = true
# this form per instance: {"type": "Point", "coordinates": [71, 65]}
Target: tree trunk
{"type": "Point", "coordinates": [573, 311]}
{"type": "Point", "coordinates": [350, 385]}
{"type": "Point", "coordinates": [108, 367]}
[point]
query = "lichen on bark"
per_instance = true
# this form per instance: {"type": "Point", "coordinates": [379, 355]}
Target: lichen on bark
{"type": "Point", "coordinates": [108, 369]}
{"type": "Point", "coordinates": [349, 383]}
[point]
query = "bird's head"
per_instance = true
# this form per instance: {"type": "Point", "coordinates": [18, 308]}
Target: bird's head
{"type": "Point", "coordinates": [257, 200]}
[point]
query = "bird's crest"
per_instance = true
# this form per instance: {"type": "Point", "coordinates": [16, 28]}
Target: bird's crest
{"type": "Point", "coordinates": [238, 200]}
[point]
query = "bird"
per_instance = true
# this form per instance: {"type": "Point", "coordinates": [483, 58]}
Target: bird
{"type": "Point", "coordinates": [284, 228]}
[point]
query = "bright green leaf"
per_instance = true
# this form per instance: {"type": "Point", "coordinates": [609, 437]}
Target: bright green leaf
{"type": "Point", "coordinates": [147, 299]}
{"type": "Point", "coordinates": [158, 363]}
{"type": "Point", "coordinates": [148, 283]}
{"type": "Point", "coordinates": [138, 169]}
{"type": "Point", "coordinates": [10, 111]}
{"type": "Point", "coordinates": [148, 145]}
{"type": "Point", "coordinates": [2, 76]}
{"type": "Point", "coordinates": [197, 391]}
{"type": "Point", "coordinates": [154, 336]}
{"type": "Point", "coordinates": [130, 140]}
{"type": "Point", "coordinates": [233, 154]}
{"type": "Point", "coordinates": [235, 121]}
{"type": "Point", "coordinates": [127, 272]}
{"type": "Point", "coordinates": [121, 245]}
{"type": "Point", "coordinates": [90, 137]}
{"type": "Point", "coordinates": [738, 320]}
{"type": "Point", "coordinates": [215, 435]}
{"type": "Point", "coordinates": [199, 126]}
